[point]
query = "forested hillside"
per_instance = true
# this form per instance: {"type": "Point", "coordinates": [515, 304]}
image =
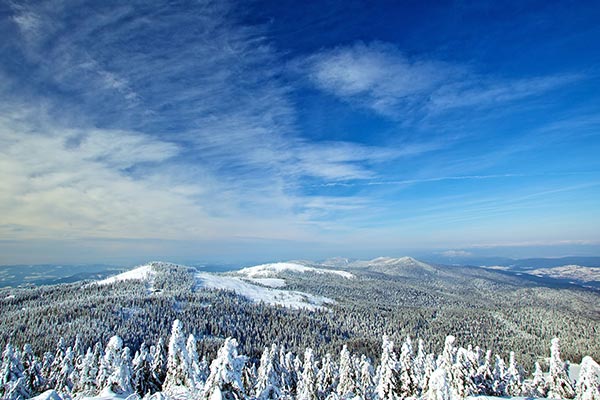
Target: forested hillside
{"type": "Point", "coordinates": [360, 305]}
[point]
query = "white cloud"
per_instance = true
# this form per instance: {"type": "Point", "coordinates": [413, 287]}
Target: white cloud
{"type": "Point", "coordinates": [456, 253]}
{"type": "Point", "coordinates": [380, 77]}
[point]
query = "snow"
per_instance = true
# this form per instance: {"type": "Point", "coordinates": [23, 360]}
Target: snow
{"type": "Point", "coordinates": [106, 394]}
{"type": "Point", "coordinates": [576, 272]}
{"type": "Point", "coordinates": [47, 395]}
{"type": "Point", "coordinates": [143, 273]}
{"type": "Point", "coordinates": [267, 270]}
{"type": "Point", "coordinates": [270, 282]}
{"type": "Point", "coordinates": [285, 298]}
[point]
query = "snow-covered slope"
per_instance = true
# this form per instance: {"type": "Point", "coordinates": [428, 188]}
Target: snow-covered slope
{"type": "Point", "coordinates": [402, 266]}
{"type": "Point", "coordinates": [574, 272]}
{"type": "Point", "coordinates": [142, 273]}
{"type": "Point", "coordinates": [286, 298]}
{"type": "Point", "coordinates": [270, 270]}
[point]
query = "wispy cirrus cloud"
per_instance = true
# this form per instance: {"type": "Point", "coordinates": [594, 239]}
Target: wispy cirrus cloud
{"type": "Point", "coordinates": [380, 77]}
{"type": "Point", "coordinates": [186, 136]}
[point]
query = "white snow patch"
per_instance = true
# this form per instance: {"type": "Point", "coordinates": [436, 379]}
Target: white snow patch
{"type": "Point", "coordinates": [267, 270]}
{"type": "Point", "coordinates": [47, 395]}
{"type": "Point", "coordinates": [270, 282]}
{"type": "Point", "coordinates": [143, 273]}
{"type": "Point", "coordinates": [285, 298]}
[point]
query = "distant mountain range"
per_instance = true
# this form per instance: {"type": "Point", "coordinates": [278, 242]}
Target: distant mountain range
{"type": "Point", "coordinates": [515, 264]}
{"type": "Point", "coordinates": [584, 271]}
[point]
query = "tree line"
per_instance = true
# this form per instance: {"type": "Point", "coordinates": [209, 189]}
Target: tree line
{"type": "Point", "coordinates": [175, 369]}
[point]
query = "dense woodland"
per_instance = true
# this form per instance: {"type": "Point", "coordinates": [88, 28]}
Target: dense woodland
{"type": "Point", "coordinates": [498, 312]}
{"type": "Point", "coordinates": [177, 371]}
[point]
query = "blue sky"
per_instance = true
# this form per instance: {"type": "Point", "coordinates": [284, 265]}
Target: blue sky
{"type": "Point", "coordinates": [238, 131]}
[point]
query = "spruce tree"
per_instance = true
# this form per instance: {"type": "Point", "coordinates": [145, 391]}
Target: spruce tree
{"type": "Point", "coordinates": [559, 383]}
{"type": "Point", "coordinates": [307, 386]}
{"type": "Point", "coordinates": [588, 384]}
{"type": "Point", "coordinates": [225, 379]}
{"type": "Point", "coordinates": [346, 384]}
{"type": "Point", "coordinates": [387, 382]}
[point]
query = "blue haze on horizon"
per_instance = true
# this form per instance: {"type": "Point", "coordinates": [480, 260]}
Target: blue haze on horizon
{"type": "Point", "coordinates": [233, 131]}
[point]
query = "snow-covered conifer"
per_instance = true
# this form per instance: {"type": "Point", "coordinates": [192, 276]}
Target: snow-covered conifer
{"type": "Point", "coordinates": [267, 380]}
{"type": "Point", "coordinates": [419, 365]}
{"type": "Point", "coordinates": [484, 377]}
{"type": "Point", "coordinates": [438, 388]}
{"type": "Point", "coordinates": [365, 381]}
{"type": "Point", "coordinates": [462, 384]}
{"type": "Point", "coordinates": [559, 384]}
{"type": "Point", "coordinates": [307, 385]}
{"type": "Point", "coordinates": [13, 385]}
{"type": "Point", "coordinates": [514, 380]}
{"type": "Point", "coordinates": [123, 374]}
{"type": "Point", "coordinates": [386, 383]}
{"type": "Point", "coordinates": [446, 359]}
{"type": "Point", "coordinates": [537, 386]}
{"type": "Point", "coordinates": [87, 373]}
{"type": "Point", "coordinates": [225, 379]}
{"type": "Point", "coordinates": [327, 376]}
{"type": "Point", "coordinates": [195, 370]}
{"type": "Point", "coordinates": [178, 360]}
{"type": "Point", "coordinates": [430, 367]}
{"type": "Point", "coordinates": [289, 376]}
{"type": "Point", "coordinates": [346, 383]}
{"type": "Point", "coordinates": [32, 370]}
{"type": "Point", "coordinates": [159, 363]}
{"type": "Point", "coordinates": [499, 373]}
{"type": "Point", "coordinates": [62, 380]}
{"type": "Point", "coordinates": [588, 383]}
{"type": "Point", "coordinates": [407, 382]}
{"type": "Point", "coordinates": [114, 373]}
{"type": "Point", "coordinates": [47, 361]}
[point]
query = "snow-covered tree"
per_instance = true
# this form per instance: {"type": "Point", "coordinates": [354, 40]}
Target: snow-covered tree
{"type": "Point", "coordinates": [159, 363]}
{"type": "Point", "coordinates": [307, 386]}
{"type": "Point", "coordinates": [430, 367]}
{"type": "Point", "coordinates": [32, 370]}
{"type": "Point", "coordinates": [537, 386]}
{"type": "Point", "coordinates": [514, 380]}
{"type": "Point", "coordinates": [419, 365]}
{"type": "Point", "coordinates": [114, 373]}
{"type": "Point", "coordinates": [346, 383]}
{"type": "Point", "coordinates": [142, 381]}
{"type": "Point", "coordinates": [123, 374]}
{"type": "Point", "coordinates": [462, 384]}
{"type": "Point", "coordinates": [365, 381]}
{"type": "Point", "coordinates": [57, 361]}
{"type": "Point", "coordinates": [267, 381]}
{"type": "Point", "coordinates": [327, 376]}
{"type": "Point", "coordinates": [87, 373]}
{"type": "Point", "coordinates": [407, 382]}
{"type": "Point", "coordinates": [446, 359]}
{"type": "Point", "coordinates": [499, 373]}
{"type": "Point", "coordinates": [62, 380]}
{"type": "Point", "coordinates": [289, 375]}
{"type": "Point", "coordinates": [588, 384]}
{"type": "Point", "coordinates": [225, 379]}
{"type": "Point", "coordinates": [439, 389]}
{"type": "Point", "coordinates": [13, 385]}
{"type": "Point", "coordinates": [198, 376]}
{"type": "Point", "coordinates": [387, 383]}
{"type": "Point", "coordinates": [179, 368]}
{"type": "Point", "coordinates": [484, 377]}
{"type": "Point", "coordinates": [559, 383]}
